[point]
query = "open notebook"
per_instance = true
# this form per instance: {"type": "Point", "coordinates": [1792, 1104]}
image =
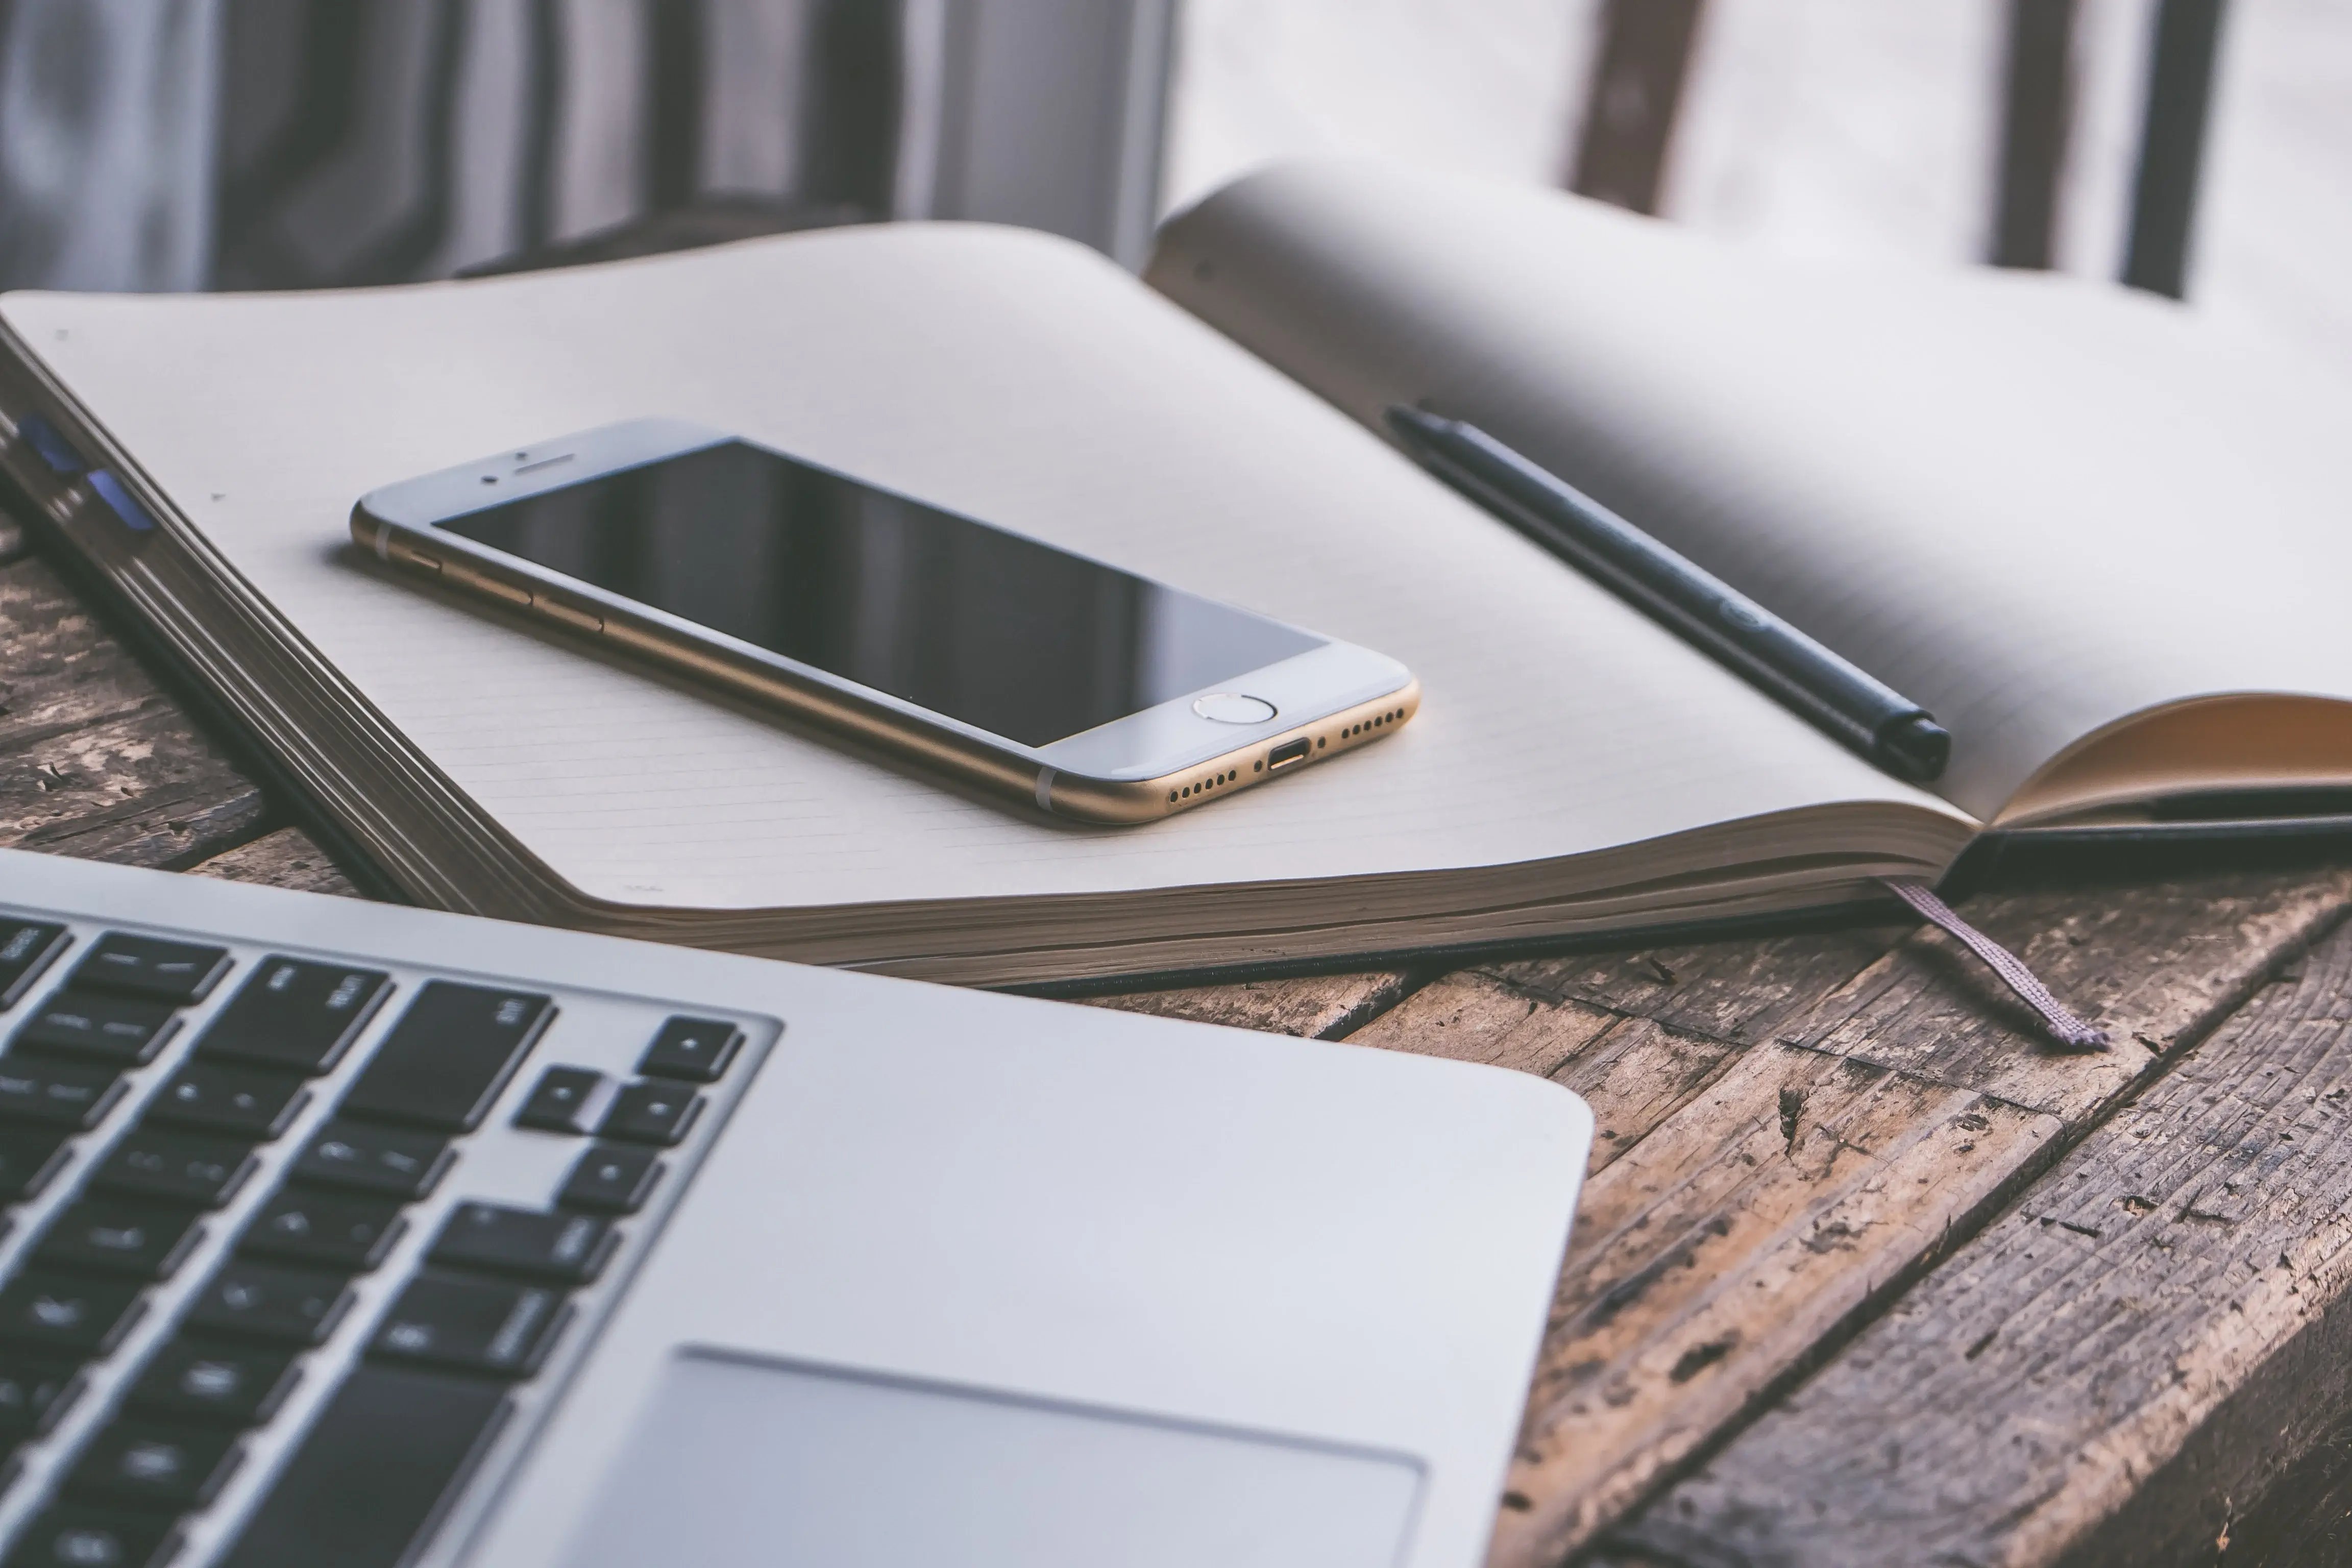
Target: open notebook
{"type": "Point", "coordinates": [1574, 768]}
{"type": "Point", "coordinates": [2101, 543]}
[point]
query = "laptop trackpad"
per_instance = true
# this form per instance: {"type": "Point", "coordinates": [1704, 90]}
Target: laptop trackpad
{"type": "Point", "coordinates": [744, 1464]}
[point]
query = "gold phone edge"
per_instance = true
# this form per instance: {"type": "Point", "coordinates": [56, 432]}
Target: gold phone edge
{"type": "Point", "coordinates": [1107, 802]}
{"type": "Point", "coordinates": [1244, 767]}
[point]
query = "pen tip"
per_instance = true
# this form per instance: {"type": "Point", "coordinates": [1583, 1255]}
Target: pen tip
{"type": "Point", "coordinates": [1407, 420]}
{"type": "Point", "coordinates": [1915, 748]}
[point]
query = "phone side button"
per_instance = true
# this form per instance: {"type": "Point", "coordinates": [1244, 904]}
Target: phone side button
{"type": "Point", "coordinates": [512, 593]}
{"type": "Point", "coordinates": [570, 615]}
{"type": "Point", "coordinates": [408, 555]}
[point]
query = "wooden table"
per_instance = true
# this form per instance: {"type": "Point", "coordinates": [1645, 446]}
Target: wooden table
{"type": "Point", "coordinates": [1863, 1273]}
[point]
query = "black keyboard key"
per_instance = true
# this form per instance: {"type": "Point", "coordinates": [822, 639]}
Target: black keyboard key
{"type": "Point", "coordinates": [471, 1325]}
{"type": "Point", "coordinates": [652, 1113]}
{"type": "Point", "coordinates": [27, 948]}
{"type": "Point", "coordinates": [611, 1180]}
{"type": "Point", "coordinates": [268, 1301]}
{"type": "Point", "coordinates": [116, 1029]}
{"type": "Point", "coordinates": [29, 1157]}
{"type": "Point", "coordinates": [567, 1100]}
{"type": "Point", "coordinates": [67, 1312]}
{"type": "Point", "coordinates": [34, 1392]}
{"type": "Point", "coordinates": [390, 1450]}
{"type": "Point", "coordinates": [215, 1380]}
{"type": "Point", "coordinates": [155, 1464]}
{"type": "Point", "coordinates": [179, 973]}
{"type": "Point", "coordinates": [86, 1535]}
{"type": "Point", "coordinates": [297, 1016]}
{"type": "Point", "coordinates": [384, 1160]}
{"type": "Point", "coordinates": [350, 1235]}
{"type": "Point", "coordinates": [255, 1106]}
{"type": "Point", "coordinates": [568, 1248]}
{"type": "Point", "coordinates": [448, 1057]}
{"type": "Point", "coordinates": [56, 1092]}
{"type": "Point", "coordinates": [696, 1049]}
{"type": "Point", "coordinates": [121, 1236]}
{"type": "Point", "coordinates": [177, 1167]}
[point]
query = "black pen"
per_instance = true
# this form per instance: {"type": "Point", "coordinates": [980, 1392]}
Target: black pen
{"type": "Point", "coordinates": [1882, 724]}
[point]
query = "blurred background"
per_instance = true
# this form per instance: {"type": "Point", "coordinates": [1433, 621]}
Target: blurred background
{"type": "Point", "coordinates": [2196, 148]}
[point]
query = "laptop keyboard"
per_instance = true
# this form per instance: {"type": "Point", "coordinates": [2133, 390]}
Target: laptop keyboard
{"type": "Point", "coordinates": [298, 1247]}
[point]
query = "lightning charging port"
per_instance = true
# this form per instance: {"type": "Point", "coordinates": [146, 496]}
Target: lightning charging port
{"type": "Point", "coordinates": [1289, 751]}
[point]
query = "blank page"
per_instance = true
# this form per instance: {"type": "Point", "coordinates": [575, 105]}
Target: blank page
{"type": "Point", "coordinates": [1008, 375]}
{"type": "Point", "coordinates": [2035, 505]}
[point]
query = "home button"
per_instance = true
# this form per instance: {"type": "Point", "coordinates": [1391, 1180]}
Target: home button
{"type": "Point", "coordinates": [1232, 708]}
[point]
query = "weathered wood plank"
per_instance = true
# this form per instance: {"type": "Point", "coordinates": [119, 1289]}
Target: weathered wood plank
{"type": "Point", "coordinates": [1636, 1077]}
{"type": "Point", "coordinates": [143, 789]}
{"type": "Point", "coordinates": [1475, 1016]}
{"type": "Point", "coordinates": [94, 759]}
{"type": "Point", "coordinates": [286, 858]}
{"type": "Point", "coordinates": [1797, 1182]}
{"type": "Point", "coordinates": [1739, 991]}
{"type": "Point", "coordinates": [1638, 1033]}
{"type": "Point", "coordinates": [1723, 1250]}
{"type": "Point", "coordinates": [2304, 1520]}
{"type": "Point", "coordinates": [1633, 1073]}
{"type": "Point", "coordinates": [2185, 1513]}
{"type": "Point", "coordinates": [58, 668]}
{"type": "Point", "coordinates": [2141, 1345]}
{"type": "Point", "coordinates": [2155, 965]}
{"type": "Point", "coordinates": [1317, 1006]}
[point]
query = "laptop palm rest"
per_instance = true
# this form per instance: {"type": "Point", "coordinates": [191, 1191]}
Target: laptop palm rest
{"type": "Point", "coordinates": [759, 1463]}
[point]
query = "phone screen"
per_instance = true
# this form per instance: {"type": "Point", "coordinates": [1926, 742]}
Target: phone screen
{"type": "Point", "coordinates": [1001, 631]}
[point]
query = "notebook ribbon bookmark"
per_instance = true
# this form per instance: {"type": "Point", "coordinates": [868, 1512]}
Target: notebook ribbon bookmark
{"type": "Point", "coordinates": [2061, 1021]}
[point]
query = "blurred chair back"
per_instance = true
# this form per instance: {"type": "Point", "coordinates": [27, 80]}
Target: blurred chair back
{"type": "Point", "coordinates": [317, 143]}
{"type": "Point", "coordinates": [106, 116]}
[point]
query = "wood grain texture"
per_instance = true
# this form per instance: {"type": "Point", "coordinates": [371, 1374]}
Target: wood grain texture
{"type": "Point", "coordinates": [1638, 1033]}
{"type": "Point", "coordinates": [285, 859]}
{"type": "Point", "coordinates": [2187, 1512]}
{"type": "Point", "coordinates": [1738, 990]}
{"type": "Point", "coordinates": [1795, 1184]}
{"type": "Point", "coordinates": [2304, 1520]}
{"type": "Point", "coordinates": [1317, 1006]}
{"type": "Point", "coordinates": [94, 759]}
{"type": "Point", "coordinates": [2149, 1337]}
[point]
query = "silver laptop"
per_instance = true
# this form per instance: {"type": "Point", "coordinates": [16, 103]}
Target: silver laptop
{"type": "Point", "coordinates": [346, 1235]}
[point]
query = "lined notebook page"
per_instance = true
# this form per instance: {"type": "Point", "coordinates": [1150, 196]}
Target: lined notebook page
{"type": "Point", "coordinates": [1008, 375]}
{"type": "Point", "coordinates": [2035, 505]}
